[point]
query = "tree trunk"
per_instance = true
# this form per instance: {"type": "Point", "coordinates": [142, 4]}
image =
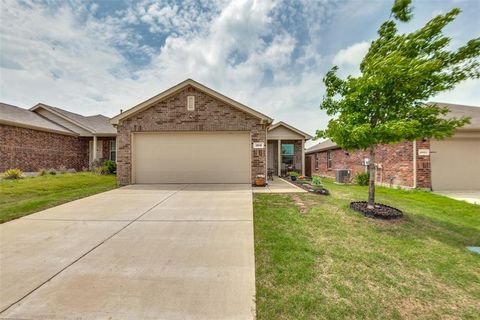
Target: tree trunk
{"type": "Point", "coordinates": [371, 184]}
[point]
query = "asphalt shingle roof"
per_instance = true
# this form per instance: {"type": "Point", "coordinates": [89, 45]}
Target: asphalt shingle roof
{"type": "Point", "coordinates": [97, 123]}
{"type": "Point", "coordinates": [14, 115]}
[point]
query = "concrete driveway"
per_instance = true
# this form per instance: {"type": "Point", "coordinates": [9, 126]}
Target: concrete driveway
{"type": "Point", "coordinates": [138, 252]}
{"type": "Point", "coordinates": [472, 196]}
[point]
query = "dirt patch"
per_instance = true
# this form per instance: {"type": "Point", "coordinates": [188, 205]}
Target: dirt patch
{"type": "Point", "coordinates": [304, 203]}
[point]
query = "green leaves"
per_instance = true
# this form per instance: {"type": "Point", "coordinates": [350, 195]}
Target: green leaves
{"type": "Point", "coordinates": [402, 11]}
{"type": "Point", "coordinates": [385, 104]}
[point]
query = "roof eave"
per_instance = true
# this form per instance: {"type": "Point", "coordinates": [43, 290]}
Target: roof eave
{"type": "Point", "coordinates": [165, 94]}
{"type": "Point", "coordinates": [46, 107]}
{"type": "Point", "coordinates": [286, 125]}
{"type": "Point", "coordinates": [27, 126]}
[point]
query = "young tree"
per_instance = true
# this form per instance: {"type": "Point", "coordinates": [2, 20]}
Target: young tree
{"type": "Point", "coordinates": [385, 104]}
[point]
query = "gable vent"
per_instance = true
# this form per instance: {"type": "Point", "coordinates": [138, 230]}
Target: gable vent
{"type": "Point", "coordinates": [191, 103]}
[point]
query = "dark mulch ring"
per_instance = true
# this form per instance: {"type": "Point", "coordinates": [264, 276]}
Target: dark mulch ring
{"type": "Point", "coordinates": [306, 186]}
{"type": "Point", "coordinates": [381, 211]}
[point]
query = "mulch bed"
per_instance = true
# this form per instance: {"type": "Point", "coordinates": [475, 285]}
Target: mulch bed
{"type": "Point", "coordinates": [306, 186]}
{"type": "Point", "coordinates": [381, 211]}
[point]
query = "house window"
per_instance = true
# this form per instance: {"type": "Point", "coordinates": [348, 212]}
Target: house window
{"type": "Point", "coordinates": [288, 153]}
{"type": "Point", "coordinates": [329, 159]}
{"type": "Point", "coordinates": [113, 150]}
{"type": "Point", "coordinates": [317, 160]}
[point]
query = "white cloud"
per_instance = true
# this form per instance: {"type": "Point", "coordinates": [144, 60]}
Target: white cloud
{"type": "Point", "coordinates": [68, 57]}
{"type": "Point", "coordinates": [351, 56]}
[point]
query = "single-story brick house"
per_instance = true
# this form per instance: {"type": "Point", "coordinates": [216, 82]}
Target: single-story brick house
{"type": "Point", "coordinates": [450, 164]}
{"type": "Point", "coordinates": [193, 134]}
{"type": "Point", "coordinates": [46, 137]}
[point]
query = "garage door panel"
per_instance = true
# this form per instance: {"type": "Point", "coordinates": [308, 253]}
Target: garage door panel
{"type": "Point", "coordinates": [455, 164]}
{"type": "Point", "coordinates": [197, 157]}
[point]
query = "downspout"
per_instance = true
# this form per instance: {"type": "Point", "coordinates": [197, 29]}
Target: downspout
{"type": "Point", "coordinates": [414, 164]}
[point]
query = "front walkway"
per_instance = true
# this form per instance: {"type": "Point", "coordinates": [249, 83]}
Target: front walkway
{"type": "Point", "coordinates": [278, 185]}
{"type": "Point", "coordinates": [138, 252]}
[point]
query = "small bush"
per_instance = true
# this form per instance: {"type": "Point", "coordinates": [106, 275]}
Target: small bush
{"type": "Point", "coordinates": [293, 174]}
{"type": "Point", "coordinates": [362, 178]}
{"type": "Point", "coordinates": [52, 172]}
{"type": "Point", "coordinates": [42, 172]}
{"type": "Point", "coordinates": [317, 182]}
{"type": "Point", "coordinates": [110, 167]}
{"type": "Point", "coordinates": [62, 169]}
{"type": "Point", "coordinates": [13, 174]}
{"type": "Point", "coordinates": [71, 170]}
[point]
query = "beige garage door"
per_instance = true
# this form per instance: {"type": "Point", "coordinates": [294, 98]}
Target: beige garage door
{"type": "Point", "coordinates": [193, 157]}
{"type": "Point", "coordinates": [455, 164]}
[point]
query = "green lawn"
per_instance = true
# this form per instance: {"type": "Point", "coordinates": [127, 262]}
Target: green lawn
{"type": "Point", "coordinates": [317, 259]}
{"type": "Point", "coordinates": [21, 197]}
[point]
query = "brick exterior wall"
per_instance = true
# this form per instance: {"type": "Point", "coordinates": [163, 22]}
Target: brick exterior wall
{"type": "Point", "coordinates": [171, 114]}
{"type": "Point", "coordinates": [31, 150]}
{"type": "Point", "coordinates": [423, 166]}
{"type": "Point", "coordinates": [396, 162]}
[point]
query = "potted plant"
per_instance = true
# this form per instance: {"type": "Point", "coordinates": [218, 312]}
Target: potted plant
{"type": "Point", "coordinates": [293, 175]}
{"type": "Point", "coordinates": [260, 180]}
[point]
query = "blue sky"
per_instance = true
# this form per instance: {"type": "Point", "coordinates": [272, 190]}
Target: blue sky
{"type": "Point", "coordinates": [102, 56]}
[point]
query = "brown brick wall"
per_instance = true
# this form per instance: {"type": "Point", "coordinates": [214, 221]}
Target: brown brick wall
{"type": "Point", "coordinates": [171, 114]}
{"type": "Point", "coordinates": [396, 162]}
{"type": "Point", "coordinates": [423, 166]}
{"type": "Point", "coordinates": [32, 150]}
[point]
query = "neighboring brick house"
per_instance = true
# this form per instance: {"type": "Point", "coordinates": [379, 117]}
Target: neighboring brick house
{"type": "Point", "coordinates": [46, 137]}
{"type": "Point", "coordinates": [450, 164]}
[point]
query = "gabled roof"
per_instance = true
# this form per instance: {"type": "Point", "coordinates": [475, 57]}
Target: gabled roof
{"type": "Point", "coordinates": [458, 110]}
{"type": "Point", "coordinates": [19, 117]}
{"type": "Point", "coordinates": [322, 146]}
{"type": "Point", "coordinates": [97, 124]}
{"type": "Point", "coordinates": [286, 125]}
{"type": "Point", "coordinates": [189, 82]}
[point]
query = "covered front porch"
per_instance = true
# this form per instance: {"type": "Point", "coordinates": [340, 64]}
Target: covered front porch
{"type": "Point", "coordinates": [285, 149]}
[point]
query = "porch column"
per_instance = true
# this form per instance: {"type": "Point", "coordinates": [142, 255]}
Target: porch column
{"type": "Point", "coordinates": [303, 157]}
{"type": "Point", "coordinates": [94, 151]}
{"type": "Point", "coordinates": [279, 158]}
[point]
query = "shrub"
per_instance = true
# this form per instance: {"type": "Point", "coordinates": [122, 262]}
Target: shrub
{"type": "Point", "coordinates": [52, 171]}
{"type": "Point", "coordinates": [42, 172]}
{"type": "Point", "coordinates": [13, 174]}
{"type": "Point", "coordinates": [62, 169]}
{"type": "Point", "coordinates": [362, 178]}
{"type": "Point", "coordinates": [110, 167]}
{"type": "Point", "coordinates": [317, 182]}
{"type": "Point", "coordinates": [293, 174]}
{"type": "Point", "coordinates": [71, 170]}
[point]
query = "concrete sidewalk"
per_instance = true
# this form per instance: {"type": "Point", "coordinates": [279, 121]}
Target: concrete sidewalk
{"type": "Point", "coordinates": [278, 185]}
{"type": "Point", "coordinates": [138, 252]}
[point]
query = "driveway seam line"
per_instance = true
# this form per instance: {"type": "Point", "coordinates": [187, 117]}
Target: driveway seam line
{"type": "Point", "coordinates": [89, 251]}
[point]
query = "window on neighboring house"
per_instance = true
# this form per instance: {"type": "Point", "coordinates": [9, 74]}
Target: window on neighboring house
{"type": "Point", "coordinates": [317, 160]}
{"type": "Point", "coordinates": [329, 159]}
{"type": "Point", "coordinates": [288, 151]}
{"type": "Point", "coordinates": [113, 150]}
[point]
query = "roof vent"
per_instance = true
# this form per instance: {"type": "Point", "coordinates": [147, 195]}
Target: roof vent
{"type": "Point", "coordinates": [191, 103]}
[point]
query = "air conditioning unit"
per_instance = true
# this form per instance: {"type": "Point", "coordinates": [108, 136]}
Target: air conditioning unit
{"type": "Point", "coordinates": [342, 176]}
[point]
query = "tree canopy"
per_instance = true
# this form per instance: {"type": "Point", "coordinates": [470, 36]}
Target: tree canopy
{"type": "Point", "coordinates": [386, 102]}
